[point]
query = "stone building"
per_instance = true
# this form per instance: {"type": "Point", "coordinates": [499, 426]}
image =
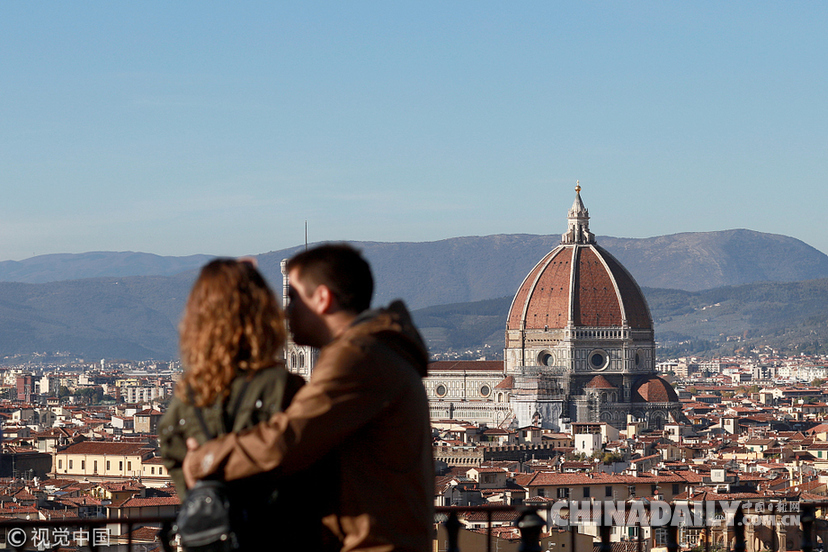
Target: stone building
{"type": "Point", "coordinates": [579, 347]}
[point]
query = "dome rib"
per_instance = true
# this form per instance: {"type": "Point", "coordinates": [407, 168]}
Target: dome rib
{"type": "Point", "coordinates": [596, 300]}
{"type": "Point", "coordinates": [618, 296]}
{"type": "Point", "coordinates": [634, 304]}
{"type": "Point", "coordinates": [544, 291]}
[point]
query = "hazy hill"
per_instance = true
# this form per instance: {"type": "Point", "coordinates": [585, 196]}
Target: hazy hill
{"type": "Point", "coordinates": [475, 268]}
{"type": "Point", "coordinates": [706, 260]}
{"type": "Point", "coordinates": [468, 269]}
{"type": "Point", "coordinates": [133, 316]}
{"type": "Point", "coordinates": [95, 264]}
{"type": "Point", "coordinates": [130, 318]}
{"type": "Point", "coordinates": [789, 317]}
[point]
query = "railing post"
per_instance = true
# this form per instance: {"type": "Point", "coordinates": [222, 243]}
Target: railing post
{"type": "Point", "coordinates": [640, 538]}
{"type": "Point", "coordinates": [452, 525]}
{"type": "Point", "coordinates": [530, 525]}
{"type": "Point", "coordinates": [739, 530]}
{"type": "Point", "coordinates": [604, 530]}
{"type": "Point", "coordinates": [489, 531]}
{"type": "Point", "coordinates": [93, 546]}
{"type": "Point", "coordinates": [672, 538]}
{"type": "Point", "coordinates": [806, 519]}
{"type": "Point", "coordinates": [167, 536]}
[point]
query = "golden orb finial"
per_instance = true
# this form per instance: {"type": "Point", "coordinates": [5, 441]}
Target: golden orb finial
{"type": "Point", "coordinates": [578, 186]}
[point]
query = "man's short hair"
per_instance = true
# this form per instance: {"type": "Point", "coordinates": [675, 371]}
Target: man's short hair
{"type": "Point", "coordinates": [340, 268]}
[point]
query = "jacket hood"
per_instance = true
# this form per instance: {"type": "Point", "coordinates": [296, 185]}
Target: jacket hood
{"type": "Point", "coordinates": [394, 326]}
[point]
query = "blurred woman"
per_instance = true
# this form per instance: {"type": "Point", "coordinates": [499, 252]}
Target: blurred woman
{"type": "Point", "coordinates": [232, 337]}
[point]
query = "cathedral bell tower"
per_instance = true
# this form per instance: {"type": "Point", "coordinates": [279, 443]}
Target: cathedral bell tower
{"type": "Point", "coordinates": [299, 359]}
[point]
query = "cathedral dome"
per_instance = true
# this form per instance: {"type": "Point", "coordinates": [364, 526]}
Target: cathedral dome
{"type": "Point", "coordinates": [578, 284]}
{"type": "Point", "coordinates": [653, 389]}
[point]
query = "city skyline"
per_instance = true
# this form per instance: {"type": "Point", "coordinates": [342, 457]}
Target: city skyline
{"type": "Point", "coordinates": [217, 129]}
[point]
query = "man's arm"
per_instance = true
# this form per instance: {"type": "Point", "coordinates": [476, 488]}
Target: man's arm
{"type": "Point", "coordinates": [350, 386]}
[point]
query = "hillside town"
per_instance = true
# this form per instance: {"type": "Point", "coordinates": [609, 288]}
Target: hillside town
{"type": "Point", "coordinates": [81, 441]}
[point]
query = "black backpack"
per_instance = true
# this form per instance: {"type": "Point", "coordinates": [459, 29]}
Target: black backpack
{"type": "Point", "coordinates": [204, 522]}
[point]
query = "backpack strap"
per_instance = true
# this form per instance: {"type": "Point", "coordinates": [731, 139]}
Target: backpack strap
{"type": "Point", "coordinates": [200, 414]}
{"type": "Point", "coordinates": [228, 423]}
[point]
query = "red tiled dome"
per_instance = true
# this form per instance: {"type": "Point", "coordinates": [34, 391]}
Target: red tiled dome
{"type": "Point", "coordinates": [599, 382]}
{"type": "Point", "coordinates": [582, 283]}
{"type": "Point", "coordinates": [653, 389]}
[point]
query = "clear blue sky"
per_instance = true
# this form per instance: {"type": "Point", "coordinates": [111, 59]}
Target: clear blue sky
{"type": "Point", "coordinates": [215, 127]}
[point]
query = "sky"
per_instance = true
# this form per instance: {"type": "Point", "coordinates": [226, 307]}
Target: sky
{"type": "Point", "coordinates": [219, 128]}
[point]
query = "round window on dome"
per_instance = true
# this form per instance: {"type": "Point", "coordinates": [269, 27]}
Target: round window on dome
{"type": "Point", "coordinates": [440, 390]}
{"type": "Point", "coordinates": [598, 359]}
{"type": "Point", "coordinates": [546, 358]}
{"type": "Point", "coordinates": [485, 391]}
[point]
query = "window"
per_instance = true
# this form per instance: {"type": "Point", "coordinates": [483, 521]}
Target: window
{"type": "Point", "coordinates": [653, 489]}
{"type": "Point", "coordinates": [83, 464]}
{"type": "Point", "coordinates": [661, 536]}
{"type": "Point", "coordinates": [608, 490]}
{"type": "Point", "coordinates": [563, 492]}
{"type": "Point", "coordinates": [152, 471]}
{"type": "Point", "coordinates": [60, 464]}
{"type": "Point", "coordinates": [440, 390]}
{"type": "Point", "coordinates": [586, 492]}
{"type": "Point", "coordinates": [541, 492]}
{"type": "Point", "coordinates": [70, 464]}
{"type": "Point", "coordinates": [631, 489]}
{"type": "Point", "coordinates": [95, 466]}
{"type": "Point", "coordinates": [598, 359]}
{"type": "Point", "coordinates": [129, 466]}
{"type": "Point", "coordinates": [675, 488]}
{"type": "Point", "coordinates": [107, 465]}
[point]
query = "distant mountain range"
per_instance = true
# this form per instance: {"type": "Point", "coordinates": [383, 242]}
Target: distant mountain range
{"type": "Point", "coordinates": [127, 305]}
{"type": "Point", "coordinates": [95, 264]}
{"type": "Point", "coordinates": [788, 317]}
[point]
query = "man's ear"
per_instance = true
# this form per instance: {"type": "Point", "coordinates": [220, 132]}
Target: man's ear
{"type": "Point", "coordinates": [323, 299]}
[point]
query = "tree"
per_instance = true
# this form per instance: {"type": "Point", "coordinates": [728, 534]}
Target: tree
{"type": "Point", "coordinates": [610, 458]}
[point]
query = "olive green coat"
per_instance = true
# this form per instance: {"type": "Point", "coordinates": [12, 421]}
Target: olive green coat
{"type": "Point", "coordinates": [269, 391]}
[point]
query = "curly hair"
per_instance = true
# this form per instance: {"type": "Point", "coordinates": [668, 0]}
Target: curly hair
{"type": "Point", "coordinates": [232, 322]}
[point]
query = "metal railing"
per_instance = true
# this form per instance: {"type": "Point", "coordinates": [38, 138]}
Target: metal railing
{"type": "Point", "coordinates": [21, 535]}
{"type": "Point", "coordinates": [90, 533]}
{"type": "Point", "coordinates": [531, 524]}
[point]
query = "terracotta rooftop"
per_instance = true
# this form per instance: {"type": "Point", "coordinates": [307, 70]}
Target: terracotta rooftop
{"type": "Point", "coordinates": [599, 382]}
